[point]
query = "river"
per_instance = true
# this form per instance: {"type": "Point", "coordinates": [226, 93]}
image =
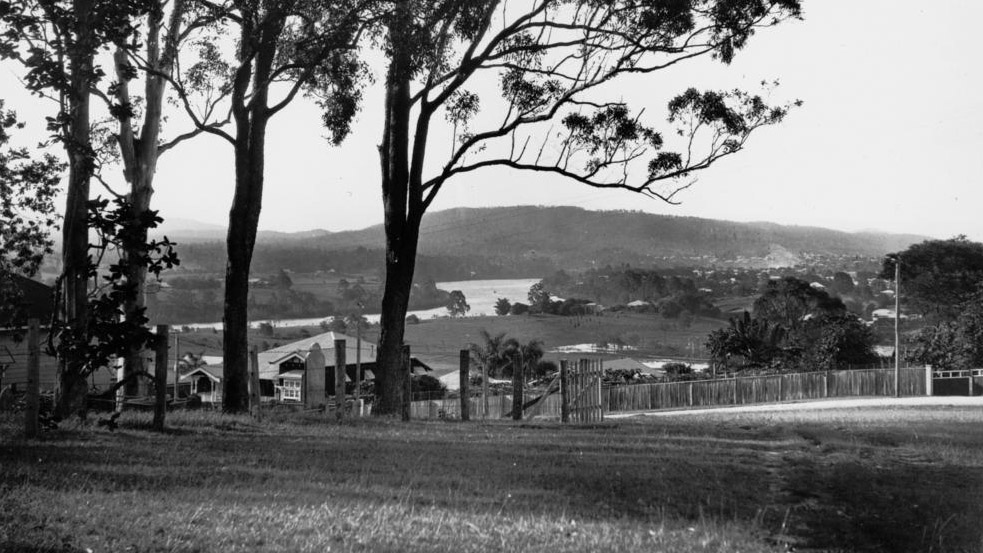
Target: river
{"type": "Point", "coordinates": [481, 295]}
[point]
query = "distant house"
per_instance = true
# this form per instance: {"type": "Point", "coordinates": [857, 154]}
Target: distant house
{"type": "Point", "coordinates": [878, 314]}
{"type": "Point", "coordinates": [206, 383]}
{"type": "Point", "coordinates": [282, 369]}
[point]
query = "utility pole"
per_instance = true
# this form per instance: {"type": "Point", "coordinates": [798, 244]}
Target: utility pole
{"type": "Point", "coordinates": [897, 326]}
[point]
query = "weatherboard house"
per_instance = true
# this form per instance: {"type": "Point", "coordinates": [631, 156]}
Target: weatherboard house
{"type": "Point", "coordinates": [282, 369]}
{"type": "Point", "coordinates": [34, 299]}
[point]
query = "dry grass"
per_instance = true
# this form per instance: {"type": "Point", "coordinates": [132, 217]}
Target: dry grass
{"type": "Point", "coordinates": [886, 481]}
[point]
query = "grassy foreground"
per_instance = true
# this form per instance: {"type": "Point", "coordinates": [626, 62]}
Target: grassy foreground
{"type": "Point", "coordinates": [846, 480]}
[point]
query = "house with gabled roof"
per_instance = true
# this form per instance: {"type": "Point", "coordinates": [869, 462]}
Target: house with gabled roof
{"type": "Point", "coordinates": [282, 369]}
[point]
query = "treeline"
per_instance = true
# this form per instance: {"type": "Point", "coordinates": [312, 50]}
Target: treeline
{"type": "Point", "coordinates": [671, 295]}
{"type": "Point", "coordinates": [209, 257]}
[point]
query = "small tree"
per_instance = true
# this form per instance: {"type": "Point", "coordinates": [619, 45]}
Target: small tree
{"type": "Point", "coordinates": [502, 306]}
{"type": "Point", "coordinates": [457, 304]}
{"type": "Point", "coordinates": [539, 298]}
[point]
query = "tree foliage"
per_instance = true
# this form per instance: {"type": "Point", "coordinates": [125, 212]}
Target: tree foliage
{"type": "Point", "coordinates": [502, 306]}
{"type": "Point", "coordinates": [27, 214]}
{"type": "Point", "coordinates": [938, 276]}
{"type": "Point", "coordinates": [556, 113]}
{"type": "Point", "coordinates": [457, 304]}
{"type": "Point", "coordinates": [500, 354]}
{"type": "Point", "coordinates": [954, 344]}
{"type": "Point", "coordinates": [789, 302]}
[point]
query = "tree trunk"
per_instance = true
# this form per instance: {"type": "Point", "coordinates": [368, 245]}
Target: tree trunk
{"type": "Point", "coordinates": [140, 163]}
{"type": "Point", "coordinates": [402, 231]}
{"type": "Point", "coordinates": [243, 221]}
{"type": "Point", "coordinates": [251, 116]}
{"type": "Point", "coordinates": [75, 231]}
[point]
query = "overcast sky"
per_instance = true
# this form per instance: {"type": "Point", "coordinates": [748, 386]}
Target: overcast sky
{"type": "Point", "coordinates": [889, 137]}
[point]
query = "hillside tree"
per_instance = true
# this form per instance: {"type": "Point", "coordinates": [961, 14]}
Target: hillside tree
{"type": "Point", "coordinates": [938, 277]}
{"type": "Point", "coordinates": [556, 112]}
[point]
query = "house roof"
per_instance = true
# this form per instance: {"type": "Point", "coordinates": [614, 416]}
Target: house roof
{"type": "Point", "coordinates": [212, 372]}
{"type": "Point", "coordinates": [35, 299]}
{"type": "Point", "coordinates": [269, 360]}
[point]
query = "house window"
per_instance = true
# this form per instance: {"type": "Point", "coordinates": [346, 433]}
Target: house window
{"type": "Point", "coordinates": [291, 390]}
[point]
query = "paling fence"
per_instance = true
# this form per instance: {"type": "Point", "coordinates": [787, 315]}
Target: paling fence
{"type": "Point", "coordinates": [746, 390]}
{"type": "Point", "coordinates": [762, 389]}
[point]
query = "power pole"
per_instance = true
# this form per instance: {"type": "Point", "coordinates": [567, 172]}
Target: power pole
{"type": "Point", "coordinates": [897, 326]}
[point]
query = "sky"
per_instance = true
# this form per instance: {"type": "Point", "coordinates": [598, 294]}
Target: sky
{"type": "Point", "coordinates": [889, 137]}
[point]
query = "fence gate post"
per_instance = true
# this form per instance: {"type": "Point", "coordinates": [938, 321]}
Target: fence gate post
{"type": "Point", "coordinates": [928, 380]}
{"type": "Point", "coordinates": [407, 383]}
{"type": "Point", "coordinates": [33, 399]}
{"type": "Point", "coordinates": [340, 367]}
{"type": "Point", "coordinates": [160, 377]}
{"type": "Point", "coordinates": [564, 391]}
{"type": "Point", "coordinates": [465, 385]}
{"type": "Point", "coordinates": [517, 376]}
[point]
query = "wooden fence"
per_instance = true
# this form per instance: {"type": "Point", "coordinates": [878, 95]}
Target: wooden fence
{"type": "Point", "coordinates": [762, 389]}
{"type": "Point", "coordinates": [746, 390]}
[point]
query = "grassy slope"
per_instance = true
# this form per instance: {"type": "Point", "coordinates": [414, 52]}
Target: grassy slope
{"type": "Point", "coordinates": [438, 340]}
{"type": "Point", "coordinates": [874, 480]}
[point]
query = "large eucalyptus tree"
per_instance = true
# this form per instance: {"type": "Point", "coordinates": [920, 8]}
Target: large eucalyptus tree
{"type": "Point", "coordinates": [557, 111]}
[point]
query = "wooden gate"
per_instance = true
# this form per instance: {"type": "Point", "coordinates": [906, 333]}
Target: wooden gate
{"type": "Point", "coordinates": [580, 387]}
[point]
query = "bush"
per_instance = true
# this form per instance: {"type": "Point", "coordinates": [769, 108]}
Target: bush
{"type": "Point", "coordinates": [677, 369]}
{"type": "Point", "coordinates": [412, 320]}
{"type": "Point", "coordinates": [519, 309]}
{"type": "Point", "coordinates": [425, 383]}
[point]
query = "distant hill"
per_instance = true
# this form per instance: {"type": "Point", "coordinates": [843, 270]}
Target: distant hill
{"type": "Point", "coordinates": [575, 238]}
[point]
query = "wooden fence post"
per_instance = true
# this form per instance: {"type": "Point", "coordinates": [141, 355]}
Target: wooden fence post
{"type": "Point", "coordinates": [735, 390]}
{"type": "Point", "coordinates": [928, 380]}
{"type": "Point", "coordinates": [484, 390]}
{"type": "Point", "coordinates": [33, 400]}
{"type": "Point", "coordinates": [826, 384]}
{"type": "Point", "coordinates": [160, 377]}
{"type": "Point", "coordinates": [407, 383]}
{"type": "Point", "coordinates": [599, 390]}
{"type": "Point", "coordinates": [691, 393]}
{"type": "Point", "coordinates": [340, 366]}
{"type": "Point", "coordinates": [781, 385]}
{"type": "Point", "coordinates": [517, 376]}
{"type": "Point", "coordinates": [465, 385]}
{"type": "Point", "coordinates": [254, 391]}
{"type": "Point", "coordinates": [564, 391]}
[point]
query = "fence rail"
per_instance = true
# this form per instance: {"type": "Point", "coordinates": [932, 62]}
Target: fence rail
{"type": "Point", "coordinates": [747, 390]}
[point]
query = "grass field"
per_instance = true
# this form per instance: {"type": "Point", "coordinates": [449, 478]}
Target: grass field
{"type": "Point", "coordinates": [848, 480]}
{"type": "Point", "coordinates": [438, 341]}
